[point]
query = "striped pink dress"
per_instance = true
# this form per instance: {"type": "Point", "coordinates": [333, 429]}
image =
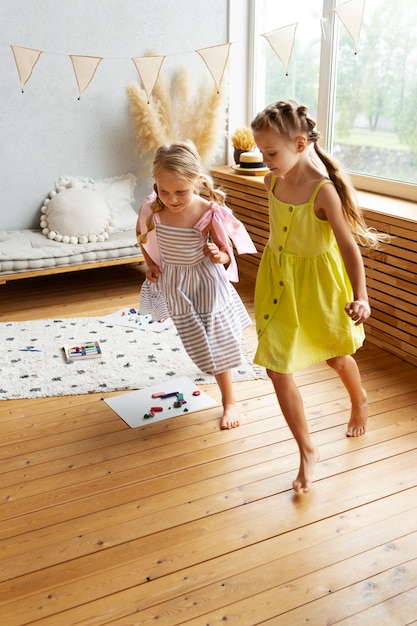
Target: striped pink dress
{"type": "Point", "coordinates": [205, 308]}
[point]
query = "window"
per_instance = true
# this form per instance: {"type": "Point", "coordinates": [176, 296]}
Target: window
{"type": "Point", "coordinates": [302, 82]}
{"type": "Point", "coordinates": [365, 103]}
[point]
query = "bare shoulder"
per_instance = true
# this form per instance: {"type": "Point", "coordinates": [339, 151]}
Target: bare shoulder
{"type": "Point", "coordinates": [267, 180]}
{"type": "Point", "coordinates": [203, 204]}
{"type": "Point", "coordinates": [327, 200]}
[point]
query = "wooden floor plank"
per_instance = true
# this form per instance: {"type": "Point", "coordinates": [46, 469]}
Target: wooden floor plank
{"type": "Point", "coordinates": [220, 492]}
{"type": "Point", "coordinates": [394, 610]}
{"type": "Point", "coordinates": [158, 554]}
{"type": "Point", "coordinates": [289, 588]}
{"type": "Point", "coordinates": [180, 523]}
{"type": "Point", "coordinates": [296, 549]}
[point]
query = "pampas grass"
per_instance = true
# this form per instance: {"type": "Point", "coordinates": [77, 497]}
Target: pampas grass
{"type": "Point", "coordinates": [181, 98]}
{"type": "Point", "coordinates": [163, 103]}
{"type": "Point", "coordinates": [176, 114]}
{"type": "Point", "coordinates": [147, 127]}
{"type": "Point", "coordinates": [207, 121]}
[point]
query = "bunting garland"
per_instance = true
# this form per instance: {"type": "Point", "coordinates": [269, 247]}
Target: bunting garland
{"type": "Point", "coordinates": [84, 70]}
{"type": "Point", "coordinates": [351, 15]}
{"type": "Point", "coordinates": [25, 59]}
{"type": "Point", "coordinates": [148, 69]}
{"type": "Point", "coordinates": [282, 42]}
{"type": "Point", "coordinates": [216, 58]}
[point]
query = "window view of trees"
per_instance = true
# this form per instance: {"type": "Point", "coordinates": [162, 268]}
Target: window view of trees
{"type": "Point", "coordinates": [376, 95]}
{"type": "Point", "coordinates": [374, 107]}
{"type": "Point", "coordinates": [302, 82]}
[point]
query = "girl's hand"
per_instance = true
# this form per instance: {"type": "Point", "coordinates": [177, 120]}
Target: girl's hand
{"type": "Point", "coordinates": [213, 252]}
{"type": "Point", "coordinates": [358, 311]}
{"type": "Point", "coordinates": [152, 273]}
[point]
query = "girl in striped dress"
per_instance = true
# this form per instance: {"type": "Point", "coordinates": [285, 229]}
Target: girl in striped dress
{"type": "Point", "coordinates": [186, 243]}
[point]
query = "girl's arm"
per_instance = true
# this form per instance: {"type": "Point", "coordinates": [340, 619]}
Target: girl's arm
{"type": "Point", "coordinates": [137, 227]}
{"type": "Point", "coordinates": [152, 270]}
{"type": "Point", "coordinates": [215, 251]}
{"type": "Point", "coordinates": [329, 207]}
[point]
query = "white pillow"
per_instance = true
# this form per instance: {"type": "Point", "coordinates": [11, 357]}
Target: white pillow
{"type": "Point", "coordinates": [76, 215]}
{"type": "Point", "coordinates": [118, 191]}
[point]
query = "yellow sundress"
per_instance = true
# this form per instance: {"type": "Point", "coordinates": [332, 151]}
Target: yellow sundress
{"type": "Point", "coordinates": [301, 290]}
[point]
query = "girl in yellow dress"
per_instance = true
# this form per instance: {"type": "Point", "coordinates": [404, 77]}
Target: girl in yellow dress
{"type": "Point", "coordinates": [310, 298]}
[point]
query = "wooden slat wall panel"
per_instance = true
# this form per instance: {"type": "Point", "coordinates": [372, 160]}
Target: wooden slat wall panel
{"type": "Point", "coordinates": [391, 271]}
{"type": "Point", "coordinates": [391, 275]}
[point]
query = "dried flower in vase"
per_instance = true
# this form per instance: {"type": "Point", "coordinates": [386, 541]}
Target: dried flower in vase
{"type": "Point", "coordinates": [242, 139]}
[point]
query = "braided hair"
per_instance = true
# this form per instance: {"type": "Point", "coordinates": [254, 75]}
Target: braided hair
{"type": "Point", "coordinates": [290, 119]}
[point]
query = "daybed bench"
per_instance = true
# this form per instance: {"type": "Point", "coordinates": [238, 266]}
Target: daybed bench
{"type": "Point", "coordinates": [28, 253]}
{"type": "Point", "coordinates": [84, 223]}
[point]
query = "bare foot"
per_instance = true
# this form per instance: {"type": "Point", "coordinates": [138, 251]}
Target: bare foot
{"type": "Point", "coordinates": [358, 417]}
{"type": "Point", "coordinates": [302, 484]}
{"type": "Point", "coordinates": [230, 417]}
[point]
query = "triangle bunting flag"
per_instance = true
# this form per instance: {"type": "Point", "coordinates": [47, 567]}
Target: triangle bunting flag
{"type": "Point", "coordinates": [216, 58]}
{"type": "Point", "coordinates": [282, 42]}
{"type": "Point", "coordinates": [25, 59]}
{"type": "Point", "coordinates": [148, 69]}
{"type": "Point", "coordinates": [84, 69]}
{"type": "Point", "coordinates": [351, 15]}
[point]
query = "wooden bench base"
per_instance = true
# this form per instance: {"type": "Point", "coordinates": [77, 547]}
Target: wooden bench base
{"type": "Point", "coordinates": [46, 271]}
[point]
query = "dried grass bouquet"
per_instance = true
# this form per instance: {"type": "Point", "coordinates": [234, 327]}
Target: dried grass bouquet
{"type": "Point", "coordinates": [176, 112]}
{"type": "Point", "coordinates": [242, 139]}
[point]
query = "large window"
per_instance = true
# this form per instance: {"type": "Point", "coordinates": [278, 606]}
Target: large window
{"type": "Point", "coordinates": [365, 103]}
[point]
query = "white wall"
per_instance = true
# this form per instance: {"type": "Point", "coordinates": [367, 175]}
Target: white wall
{"type": "Point", "coordinates": [46, 131]}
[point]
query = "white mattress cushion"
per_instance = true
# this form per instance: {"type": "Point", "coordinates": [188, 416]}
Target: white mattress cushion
{"type": "Point", "coordinates": [23, 250]}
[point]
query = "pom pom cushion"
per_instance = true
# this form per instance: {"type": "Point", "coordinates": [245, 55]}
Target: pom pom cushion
{"type": "Point", "coordinates": [117, 191]}
{"type": "Point", "coordinates": [76, 215]}
{"type": "Point", "coordinates": [83, 222]}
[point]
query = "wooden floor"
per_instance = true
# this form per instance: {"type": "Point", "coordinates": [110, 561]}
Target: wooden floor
{"type": "Point", "coordinates": [181, 523]}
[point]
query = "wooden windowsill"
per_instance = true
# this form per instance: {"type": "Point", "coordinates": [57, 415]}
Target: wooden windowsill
{"type": "Point", "coordinates": [388, 205]}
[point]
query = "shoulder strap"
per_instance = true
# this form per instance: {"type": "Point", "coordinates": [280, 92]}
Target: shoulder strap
{"type": "Point", "coordinates": [318, 187]}
{"type": "Point", "coordinates": [272, 183]}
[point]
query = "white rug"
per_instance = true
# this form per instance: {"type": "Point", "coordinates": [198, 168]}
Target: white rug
{"type": "Point", "coordinates": [33, 365]}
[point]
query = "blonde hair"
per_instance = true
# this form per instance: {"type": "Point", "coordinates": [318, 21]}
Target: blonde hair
{"type": "Point", "coordinates": [289, 119]}
{"type": "Point", "coordinates": [183, 160]}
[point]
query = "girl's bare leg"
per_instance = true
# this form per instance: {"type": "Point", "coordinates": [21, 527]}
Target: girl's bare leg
{"type": "Point", "coordinates": [292, 407]}
{"type": "Point", "coordinates": [230, 418]}
{"type": "Point", "coordinates": [348, 371]}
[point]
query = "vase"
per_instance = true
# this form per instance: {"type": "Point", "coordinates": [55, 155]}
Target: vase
{"type": "Point", "coordinates": [236, 155]}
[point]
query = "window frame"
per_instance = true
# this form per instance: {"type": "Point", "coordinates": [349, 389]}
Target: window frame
{"type": "Point", "coordinates": [326, 96]}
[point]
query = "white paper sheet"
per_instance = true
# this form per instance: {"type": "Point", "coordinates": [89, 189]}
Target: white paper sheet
{"type": "Point", "coordinates": [135, 407]}
{"type": "Point", "coordinates": [131, 317]}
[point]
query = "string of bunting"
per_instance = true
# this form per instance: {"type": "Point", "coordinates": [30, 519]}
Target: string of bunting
{"type": "Point", "coordinates": [281, 40]}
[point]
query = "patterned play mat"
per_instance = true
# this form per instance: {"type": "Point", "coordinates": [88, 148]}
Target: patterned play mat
{"type": "Point", "coordinates": [33, 363]}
